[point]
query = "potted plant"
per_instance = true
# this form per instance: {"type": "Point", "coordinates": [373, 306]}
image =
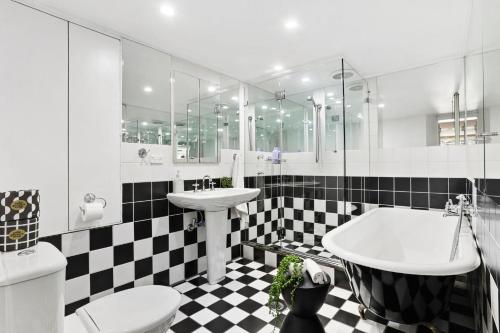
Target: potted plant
{"type": "Point", "coordinates": [289, 275]}
{"type": "Point", "coordinates": [226, 182]}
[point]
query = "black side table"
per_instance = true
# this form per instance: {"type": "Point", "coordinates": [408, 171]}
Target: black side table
{"type": "Point", "coordinates": [309, 298]}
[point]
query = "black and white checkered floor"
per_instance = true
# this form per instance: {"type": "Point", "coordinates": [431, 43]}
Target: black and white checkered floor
{"type": "Point", "coordinates": [305, 248]}
{"type": "Point", "coordinates": [238, 304]}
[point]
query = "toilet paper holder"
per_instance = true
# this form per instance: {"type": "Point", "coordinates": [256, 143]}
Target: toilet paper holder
{"type": "Point", "coordinates": [90, 198]}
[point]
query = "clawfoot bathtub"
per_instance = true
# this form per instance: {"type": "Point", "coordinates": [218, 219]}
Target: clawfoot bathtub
{"type": "Point", "coordinates": [402, 263]}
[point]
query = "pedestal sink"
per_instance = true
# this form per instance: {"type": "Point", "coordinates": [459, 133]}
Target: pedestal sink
{"type": "Point", "coordinates": [215, 204]}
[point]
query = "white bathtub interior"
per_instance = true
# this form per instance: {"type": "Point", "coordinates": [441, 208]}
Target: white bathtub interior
{"type": "Point", "coordinates": [405, 241]}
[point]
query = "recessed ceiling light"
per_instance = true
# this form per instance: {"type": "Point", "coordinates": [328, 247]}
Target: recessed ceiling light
{"type": "Point", "coordinates": [144, 123]}
{"type": "Point", "coordinates": [225, 107]}
{"type": "Point", "coordinates": [278, 120]}
{"type": "Point", "coordinates": [220, 130]}
{"type": "Point", "coordinates": [291, 24]}
{"type": "Point", "coordinates": [278, 68]}
{"type": "Point", "coordinates": [338, 102]}
{"type": "Point", "coordinates": [211, 88]}
{"type": "Point", "coordinates": [234, 98]}
{"type": "Point", "coordinates": [381, 105]}
{"type": "Point", "coordinates": [189, 110]}
{"type": "Point", "coordinates": [167, 10]}
{"type": "Point", "coordinates": [330, 94]}
{"type": "Point", "coordinates": [148, 89]}
{"type": "Point", "coordinates": [348, 105]}
{"type": "Point", "coordinates": [264, 107]}
{"type": "Point", "coordinates": [287, 115]}
{"type": "Point", "coordinates": [306, 79]}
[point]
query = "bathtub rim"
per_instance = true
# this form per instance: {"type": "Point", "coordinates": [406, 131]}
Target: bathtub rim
{"type": "Point", "coordinates": [466, 260]}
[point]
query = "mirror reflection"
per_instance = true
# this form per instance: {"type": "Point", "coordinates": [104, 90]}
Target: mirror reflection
{"type": "Point", "coordinates": [146, 95]}
{"type": "Point", "coordinates": [425, 106]}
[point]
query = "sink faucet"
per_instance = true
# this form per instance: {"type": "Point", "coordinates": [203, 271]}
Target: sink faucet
{"type": "Point", "coordinates": [210, 183]}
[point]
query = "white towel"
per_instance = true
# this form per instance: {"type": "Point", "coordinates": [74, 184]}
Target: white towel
{"type": "Point", "coordinates": [241, 210]}
{"type": "Point", "coordinates": [236, 178]}
{"type": "Point", "coordinates": [317, 275]}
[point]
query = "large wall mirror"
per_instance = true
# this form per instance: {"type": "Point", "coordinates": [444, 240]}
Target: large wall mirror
{"type": "Point", "coordinates": [169, 101]}
{"type": "Point", "coordinates": [426, 106]}
{"type": "Point", "coordinates": [145, 95]}
{"type": "Point", "coordinates": [205, 118]}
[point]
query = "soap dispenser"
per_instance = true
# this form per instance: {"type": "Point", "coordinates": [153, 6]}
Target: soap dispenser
{"type": "Point", "coordinates": [178, 183]}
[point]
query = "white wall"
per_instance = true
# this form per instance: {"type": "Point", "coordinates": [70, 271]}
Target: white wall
{"type": "Point", "coordinates": [404, 132]}
{"type": "Point", "coordinates": [34, 109]}
{"type": "Point", "coordinates": [94, 124]}
{"type": "Point", "coordinates": [134, 170]}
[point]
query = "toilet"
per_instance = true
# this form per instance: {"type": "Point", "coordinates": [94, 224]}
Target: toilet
{"type": "Point", "coordinates": [32, 300]}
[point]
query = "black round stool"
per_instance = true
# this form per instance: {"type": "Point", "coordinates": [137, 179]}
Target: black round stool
{"type": "Point", "coordinates": [309, 298]}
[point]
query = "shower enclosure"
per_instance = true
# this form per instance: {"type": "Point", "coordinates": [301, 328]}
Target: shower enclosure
{"type": "Point", "coordinates": [317, 117]}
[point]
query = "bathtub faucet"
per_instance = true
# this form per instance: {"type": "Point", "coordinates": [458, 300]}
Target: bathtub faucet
{"type": "Point", "coordinates": [454, 210]}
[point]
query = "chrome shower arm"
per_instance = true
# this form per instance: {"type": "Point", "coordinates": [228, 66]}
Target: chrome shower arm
{"type": "Point", "coordinates": [318, 134]}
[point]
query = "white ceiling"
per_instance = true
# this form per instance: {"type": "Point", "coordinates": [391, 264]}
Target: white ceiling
{"type": "Point", "coordinates": [246, 38]}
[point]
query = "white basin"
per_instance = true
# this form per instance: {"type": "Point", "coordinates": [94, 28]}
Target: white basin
{"type": "Point", "coordinates": [215, 204]}
{"type": "Point", "coordinates": [213, 201]}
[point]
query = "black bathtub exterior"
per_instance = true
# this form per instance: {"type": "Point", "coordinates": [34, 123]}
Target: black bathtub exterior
{"type": "Point", "coordinates": [403, 298]}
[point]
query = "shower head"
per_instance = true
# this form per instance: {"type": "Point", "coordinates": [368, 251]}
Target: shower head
{"type": "Point", "coordinates": [311, 99]}
{"type": "Point", "coordinates": [317, 107]}
{"type": "Point", "coordinates": [337, 75]}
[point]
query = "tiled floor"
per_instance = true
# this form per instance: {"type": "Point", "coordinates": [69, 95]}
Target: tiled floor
{"type": "Point", "coordinates": [305, 248]}
{"type": "Point", "coordinates": [238, 304]}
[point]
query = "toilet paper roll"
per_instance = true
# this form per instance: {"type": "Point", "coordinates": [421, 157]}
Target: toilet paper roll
{"type": "Point", "coordinates": [92, 211]}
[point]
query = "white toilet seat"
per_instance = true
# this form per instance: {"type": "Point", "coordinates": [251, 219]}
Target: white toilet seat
{"type": "Point", "coordinates": [136, 310]}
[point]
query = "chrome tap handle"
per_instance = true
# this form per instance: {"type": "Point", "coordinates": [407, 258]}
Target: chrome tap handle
{"type": "Point", "coordinates": [211, 184]}
{"type": "Point", "coordinates": [195, 185]}
{"type": "Point", "coordinates": [462, 201]}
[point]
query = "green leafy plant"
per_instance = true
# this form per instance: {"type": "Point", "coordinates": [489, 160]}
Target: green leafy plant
{"type": "Point", "coordinates": [226, 182]}
{"type": "Point", "coordinates": [285, 279]}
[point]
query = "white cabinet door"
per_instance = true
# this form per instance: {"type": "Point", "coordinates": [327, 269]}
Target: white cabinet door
{"type": "Point", "coordinates": [94, 123]}
{"type": "Point", "coordinates": [34, 109]}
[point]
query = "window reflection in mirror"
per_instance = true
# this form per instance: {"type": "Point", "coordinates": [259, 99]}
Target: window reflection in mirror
{"type": "Point", "coordinates": [145, 95]}
{"type": "Point", "coordinates": [425, 106]}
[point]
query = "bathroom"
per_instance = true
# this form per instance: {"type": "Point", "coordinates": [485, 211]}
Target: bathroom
{"type": "Point", "coordinates": [166, 164]}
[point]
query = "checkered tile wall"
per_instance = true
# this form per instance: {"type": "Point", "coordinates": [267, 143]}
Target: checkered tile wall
{"type": "Point", "coordinates": [265, 210]}
{"type": "Point", "coordinates": [484, 281]}
{"type": "Point", "coordinates": [152, 245]}
{"type": "Point", "coordinates": [313, 205]}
